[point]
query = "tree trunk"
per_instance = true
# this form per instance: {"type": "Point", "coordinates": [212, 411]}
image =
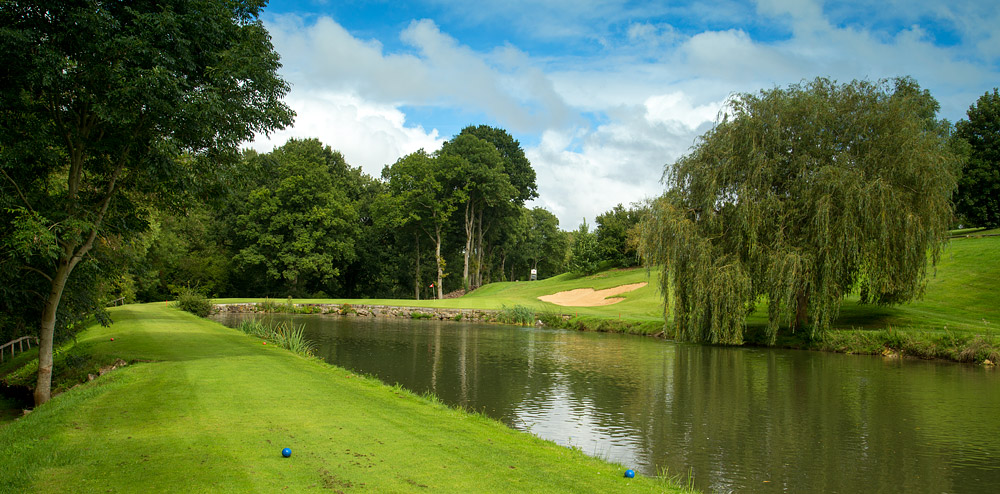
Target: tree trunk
{"type": "Point", "coordinates": [43, 386]}
{"type": "Point", "coordinates": [479, 251]}
{"type": "Point", "coordinates": [416, 274]}
{"type": "Point", "coordinates": [801, 310]}
{"type": "Point", "coordinates": [440, 262]}
{"type": "Point", "coordinates": [469, 214]}
{"type": "Point", "coordinates": [503, 264]}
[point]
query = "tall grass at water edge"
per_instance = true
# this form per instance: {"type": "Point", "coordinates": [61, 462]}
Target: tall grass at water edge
{"type": "Point", "coordinates": [284, 334]}
{"type": "Point", "coordinates": [517, 314]}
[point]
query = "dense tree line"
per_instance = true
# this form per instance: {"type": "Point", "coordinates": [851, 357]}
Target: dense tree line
{"type": "Point", "coordinates": [299, 221]}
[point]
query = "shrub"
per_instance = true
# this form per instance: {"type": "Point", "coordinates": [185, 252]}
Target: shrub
{"type": "Point", "coordinates": [194, 303]}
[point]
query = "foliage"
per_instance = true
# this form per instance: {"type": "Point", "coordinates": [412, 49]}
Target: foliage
{"type": "Point", "coordinates": [516, 166]}
{"type": "Point", "coordinates": [194, 302]}
{"type": "Point", "coordinates": [284, 334]}
{"type": "Point", "coordinates": [518, 314]}
{"type": "Point", "coordinates": [799, 196]}
{"type": "Point", "coordinates": [183, 249]}
{"type": "Point", "coordinates": [977, 200]}
{"type": "Point", "coordinates": [586, 256]}
{"type": "Point", "coordinates": [297, 229]}
{"type": "Point", "coordinates": [615, 228]}
{"type": "Point", "coordinates": [421, 188]}
{"type": "Point", "coordinates": [109, 107]}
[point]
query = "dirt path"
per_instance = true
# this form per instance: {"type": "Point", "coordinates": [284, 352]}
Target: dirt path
{"type": "Point", "coordinates": [588, 297]}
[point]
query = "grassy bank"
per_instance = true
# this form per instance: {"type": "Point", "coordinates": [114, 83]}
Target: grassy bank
{"type": "Point", "coordinates": [958, 317]}
{"type": "Point", "coordinates": [641, 311]}
{"type": "Point", "coordinates": [203, 408]}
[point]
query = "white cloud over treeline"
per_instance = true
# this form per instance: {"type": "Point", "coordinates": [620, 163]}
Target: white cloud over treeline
{"type": "Point", "coordinates": [604, 122]}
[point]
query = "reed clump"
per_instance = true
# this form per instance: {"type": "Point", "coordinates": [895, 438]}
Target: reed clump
{"type": "Point", "coordinates": [284, 334]}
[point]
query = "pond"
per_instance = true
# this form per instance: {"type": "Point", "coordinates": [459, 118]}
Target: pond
{"type": "Point", "coordinates": [735, 419]}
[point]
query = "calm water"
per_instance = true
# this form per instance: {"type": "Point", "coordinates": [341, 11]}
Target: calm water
{"type": "Point", "coordinates": [740, 420]}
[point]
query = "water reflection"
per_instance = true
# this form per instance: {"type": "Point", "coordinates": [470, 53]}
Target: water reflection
{"type": "Point", "coordinates": [740, 420]}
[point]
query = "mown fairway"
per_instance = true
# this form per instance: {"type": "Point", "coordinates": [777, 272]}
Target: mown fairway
{"type": "Point", "coordinates": [960, 296]}
{"type": "Point", "coordinates": [210, 410]}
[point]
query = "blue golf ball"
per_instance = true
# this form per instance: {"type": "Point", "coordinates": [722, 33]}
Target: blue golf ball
{"type": "Point", "coordinates": [629, 473]}
{"type": "Point", "coordinates": [286, 452]}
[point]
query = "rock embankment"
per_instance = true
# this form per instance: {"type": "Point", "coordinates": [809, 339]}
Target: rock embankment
{"type": "Point", "coordinates": [354, 310]}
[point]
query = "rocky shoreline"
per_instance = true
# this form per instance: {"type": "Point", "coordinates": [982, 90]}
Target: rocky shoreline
{"type": "Point", "coordinates": [360, 310]}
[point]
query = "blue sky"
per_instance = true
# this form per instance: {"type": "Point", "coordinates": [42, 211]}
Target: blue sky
{"type": "Point", "coordinates": [601, 93]}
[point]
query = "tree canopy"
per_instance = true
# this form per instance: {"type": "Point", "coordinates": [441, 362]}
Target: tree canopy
{"type": "Point", "coordinates": [797, 197]}
{"type": "Point", "coordinates": [615, 229]}
{"type": "Point", "coordinates": [109, 107]}
{"type": "Point", "coordinates": [296, 230]}
{"type": "Point", "coordinates": [978, 198]}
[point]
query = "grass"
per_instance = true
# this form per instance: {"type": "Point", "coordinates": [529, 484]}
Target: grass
{"type": "Point", "coordinates": [285, 335]}
{"type": "Point", "coordinates": [641, 311]}
{"type": "Point", "coordinates": [958, 313]}
{"type": "Point", "coordinates": [203, 408]}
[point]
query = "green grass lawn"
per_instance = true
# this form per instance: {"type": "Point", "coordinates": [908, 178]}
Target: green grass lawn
{"type": "Point", "coordinates": [961, 295]}
{"type": "Point", "coordinates": [208, 409]}
{"type": "Point", "coordinates": [958, 310]}
{"type": "Point", "coordinates": [644, 304]}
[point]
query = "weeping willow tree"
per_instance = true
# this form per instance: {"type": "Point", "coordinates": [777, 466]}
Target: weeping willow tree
{"type": "Point", "coordinates": [798, 197]}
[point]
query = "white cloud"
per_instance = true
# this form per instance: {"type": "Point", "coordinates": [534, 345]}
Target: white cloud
{"type": "Point", "coordinates": [647, 90]}
{"type": "Point", "coordinates": [584, 173]}
{"type": "Point", "coordinates": [369, 135]}
{"type": "Point", "coordinates": [441, 73]}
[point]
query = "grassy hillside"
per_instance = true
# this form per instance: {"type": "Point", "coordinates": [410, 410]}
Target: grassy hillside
{"type": "Point", "coordinates": [961, 295]}
{"type": "Point", "coordinates": [645, 303]}
{"type": "Point", "coordinates": [957, 318]}
{"type": "Point", "coordinates": [204, 408]}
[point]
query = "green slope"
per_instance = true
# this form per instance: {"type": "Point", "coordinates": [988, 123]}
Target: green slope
{"type": "Point", "coordinates": [963, 294]}
{"type": "Point", "coordinates": [210, 410]}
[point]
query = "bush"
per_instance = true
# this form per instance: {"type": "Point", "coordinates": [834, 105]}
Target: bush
{"type": "Point", "coordinates": [194, 303]}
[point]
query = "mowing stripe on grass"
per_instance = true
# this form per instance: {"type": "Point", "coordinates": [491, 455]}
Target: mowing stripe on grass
{"type": "Point", "coordinates": [214, 408]}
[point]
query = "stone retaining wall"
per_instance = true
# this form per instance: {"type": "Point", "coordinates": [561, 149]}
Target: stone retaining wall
{"type": "Point", "coordinates": [353, 310]}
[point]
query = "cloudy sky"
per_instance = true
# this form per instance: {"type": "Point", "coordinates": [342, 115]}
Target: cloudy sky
{"type": "Point", "coordinates": [600, 93]}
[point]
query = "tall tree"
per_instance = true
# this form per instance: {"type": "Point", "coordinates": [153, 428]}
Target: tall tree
{"type": "Point", "coordinates": [479, 172]}
{"type": "Point", "coordinates": [586, 257]}
{"type": "Point", "coordinates": [300, 228]}
{"type": "Point", "coordinates": [799, 196]}
{"type": "Point", "coordinates": [494, 223]}
{"type": "Point", "coordinates": [978, 198]}
{"type": "Point", "coordinates": [422, 188]}
{"type": "Point", "coordinates": [100, 98]}
{"type": "Point", "coordinates": [614, 228]}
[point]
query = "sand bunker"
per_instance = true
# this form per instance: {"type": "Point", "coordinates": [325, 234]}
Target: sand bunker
{"type": "Point", "coordinates": [588, 297]}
